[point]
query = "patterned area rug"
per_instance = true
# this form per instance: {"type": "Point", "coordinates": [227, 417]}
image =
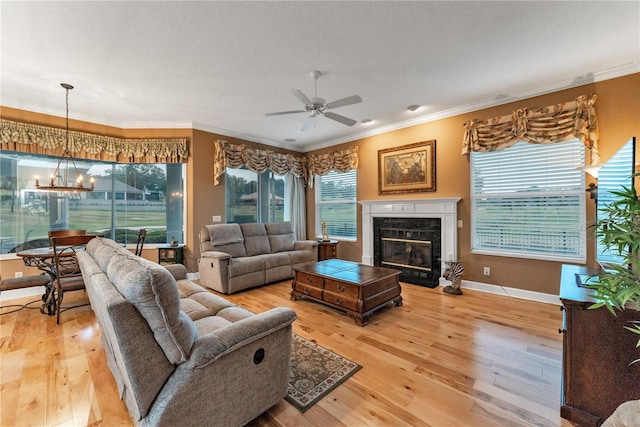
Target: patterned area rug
{"type": "Point", "coordinates": [315, 371]}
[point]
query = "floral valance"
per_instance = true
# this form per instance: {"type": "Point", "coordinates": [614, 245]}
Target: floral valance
{"type": "Point", "coordinates": [237, 155]}
{"type": "Point", "coordinates": [546, 125]}
{"type": "Point", "coordinates": [339, 161]}
{"type": "Point", "coordinates": [37, 139]}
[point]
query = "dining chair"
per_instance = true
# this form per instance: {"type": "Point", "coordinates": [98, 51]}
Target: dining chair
{"type": "Point", "coordinates": [63, 233]}
{"type": "Point", "coordinates": [68, 276]}
{"type": "Point", "coordinates": [141, 235]}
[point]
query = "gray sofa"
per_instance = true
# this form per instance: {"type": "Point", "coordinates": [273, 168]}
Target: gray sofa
{"type": "Point", "coordinates": [181, 355]}
{"type": "Point", "coordinates": [234, 257]}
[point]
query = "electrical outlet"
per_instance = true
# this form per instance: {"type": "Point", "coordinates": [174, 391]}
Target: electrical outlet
{"type": "Point", "coordinates": [217, 218]}
{"type": "Point", "coordinates": [18, 274]}
{"type": "Point", "coordinates": [460, 223]}
{"type": "Point", "coordinates": [487, 271]}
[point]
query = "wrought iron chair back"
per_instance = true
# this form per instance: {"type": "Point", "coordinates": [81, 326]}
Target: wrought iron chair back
{"type": "Point", "coordinates": [66, 268]}
{"type": "Point", "coordinates": [141, 236]}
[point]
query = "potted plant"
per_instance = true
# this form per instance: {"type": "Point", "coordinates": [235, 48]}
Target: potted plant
{"type": "Point", "coordinates": [618, 285]}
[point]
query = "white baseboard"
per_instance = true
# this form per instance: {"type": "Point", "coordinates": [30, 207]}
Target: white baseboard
{"type": "Point", "coordinates": [22, 293]}
{"type": "Point", "coordinates": [512, 292]}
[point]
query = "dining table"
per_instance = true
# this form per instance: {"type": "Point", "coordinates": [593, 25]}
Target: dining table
{"type": "Point", "coordinates": [44, 260]}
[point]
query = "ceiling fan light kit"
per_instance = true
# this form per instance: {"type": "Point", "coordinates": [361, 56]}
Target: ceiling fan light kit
{"type": "Point", "coordinates": [317, 105]}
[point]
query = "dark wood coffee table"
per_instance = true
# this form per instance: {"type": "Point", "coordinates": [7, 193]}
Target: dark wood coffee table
{"type": "Point", "coordinates": [356, 289]}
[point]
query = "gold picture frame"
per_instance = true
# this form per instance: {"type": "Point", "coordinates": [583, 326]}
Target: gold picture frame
{"type": "Point", "coordinates": [407, 169]}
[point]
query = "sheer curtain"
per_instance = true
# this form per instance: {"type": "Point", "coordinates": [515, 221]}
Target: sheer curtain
{"type": "Point", "coordinates": [295, 206]}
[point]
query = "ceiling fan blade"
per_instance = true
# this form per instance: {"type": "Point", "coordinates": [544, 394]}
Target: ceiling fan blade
{"type": "Point", "coordinates": [309, 123]}
{"type": "Point", "coordinates": [338, 118]}
{"type": "Point", "coordinates": [353, 99]}
{"type": "Point", "coordinates": [279, 113]}
{"type": "Point", "coordinates": [301, 96]}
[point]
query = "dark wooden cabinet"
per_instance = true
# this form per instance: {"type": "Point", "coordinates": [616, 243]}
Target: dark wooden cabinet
{"type": "Point", "coordinates": [597, 352]}
{"type": "Point", "coordinates": [327, 250]}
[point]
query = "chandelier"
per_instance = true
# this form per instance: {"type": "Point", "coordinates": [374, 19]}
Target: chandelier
{"type": "Point", "coordinates": [60, 178]}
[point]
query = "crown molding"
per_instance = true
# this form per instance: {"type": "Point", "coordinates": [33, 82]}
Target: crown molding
{"type": "Point", "coordinates": [588, 78]}
{"type": "Point", "coordinates": [612, 73]}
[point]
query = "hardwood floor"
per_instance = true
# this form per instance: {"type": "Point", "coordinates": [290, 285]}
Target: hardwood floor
{"type": "Point", "coordinates": [438, 360]}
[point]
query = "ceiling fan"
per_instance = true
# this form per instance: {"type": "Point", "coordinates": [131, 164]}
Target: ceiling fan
{"type": "Point", "coordinates": [317, 106]}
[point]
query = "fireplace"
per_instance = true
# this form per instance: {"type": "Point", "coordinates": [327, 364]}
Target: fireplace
{"type": "Point", "coordinates": [419, 236]}
{"type": "Point", "coordinates": [411, 245]}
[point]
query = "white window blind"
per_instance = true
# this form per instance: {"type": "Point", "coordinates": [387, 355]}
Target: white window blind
{"type": "Point", "coordinates": [612, 176]}
{"type": "Point", "coordinates": [336, 204]}
{"type": "Point", "coordinates": [529, 201]}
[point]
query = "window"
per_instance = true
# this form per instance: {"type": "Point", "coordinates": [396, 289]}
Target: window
{"type": "Point", "coordinates": [336, 204]}
{"type": "Point", "coordinates": [126, 197]}
{"type": "Point", "coordinates": [612, 176]}
{"type": "Point", "coordinates": [254, 197]}
{"type": "Point", "coordinates": [528, 201]}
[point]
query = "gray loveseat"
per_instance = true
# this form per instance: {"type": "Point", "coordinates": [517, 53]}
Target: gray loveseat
{"type": "Point", "coordinates": [181, 355]}
{"type": "Point", "coordinates": [234, 257]}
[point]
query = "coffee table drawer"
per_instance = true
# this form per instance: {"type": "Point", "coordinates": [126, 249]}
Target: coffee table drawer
{"type": "Point", "coordinates": [311, 291]}
{"type": "Point", "coordinates": [339, 300]}
{"type": "Point", "coordinates": [341, 288]}
{"type": "Point", "coordinates": [309, 280]}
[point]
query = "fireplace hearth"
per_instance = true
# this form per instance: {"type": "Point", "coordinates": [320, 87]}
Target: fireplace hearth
{"type": "Point", "coordinates": [409, 245]}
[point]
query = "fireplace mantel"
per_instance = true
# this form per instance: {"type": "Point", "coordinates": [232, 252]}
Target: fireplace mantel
{"type": "Point", "coordinates": [444, 208]}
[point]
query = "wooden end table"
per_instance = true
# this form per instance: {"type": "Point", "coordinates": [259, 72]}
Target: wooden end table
{"type": "Point", "coordinates": [327, 249]}
{"type": "Point", "coordinates": [356, 289]}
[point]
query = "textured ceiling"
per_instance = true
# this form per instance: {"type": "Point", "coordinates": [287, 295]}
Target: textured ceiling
{"type": "Point", "coordinates": [220, 66]}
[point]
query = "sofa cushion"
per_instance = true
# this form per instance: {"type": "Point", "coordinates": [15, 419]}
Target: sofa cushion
{"type": "Point", "coordinates": [208, 311]}
{"type": "Point", "coordinates": [278, 266]}
{"type": "Point", "coordinates": [227, 238]}
{"type": "Point", "coordinates": [256, 241]}
{"type": "Point", "coordinates": [154, 293]}
{"type": "Point", "coordinates": [186, 288]}
{"type": "Point", "coordinates": [301, 257]}
{"type": "Point", "coordinates": [230, 315]}
{"type": "Point", "coordinates": [276, 260]}
{"type": "Point", "coordinates": [209, 324]}
{"type": "Point", "coordinates": [281, 236]}
{"type": "Point", "coordinates": [202, 304]}
{"type": "Point", "coordinates": [246, 265]}
{"type": "Point", "coordinates": [102, 250]}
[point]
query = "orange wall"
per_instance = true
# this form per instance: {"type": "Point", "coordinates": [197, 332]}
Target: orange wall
{"type": "Point", "coordinates": [618, 109]}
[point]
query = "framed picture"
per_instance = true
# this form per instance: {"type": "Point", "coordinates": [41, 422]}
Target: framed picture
{"type": "Point", "coordinates": [407, 169]}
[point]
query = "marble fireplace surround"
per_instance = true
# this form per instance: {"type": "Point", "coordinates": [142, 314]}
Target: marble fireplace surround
{"type": "Point", "coordinates": [446, 209]}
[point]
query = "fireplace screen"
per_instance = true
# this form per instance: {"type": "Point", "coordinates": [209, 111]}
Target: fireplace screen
{"type": "Point", "coordinates": [406, 253]}
{"type": "Point", "coordinates": [411, 245]}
